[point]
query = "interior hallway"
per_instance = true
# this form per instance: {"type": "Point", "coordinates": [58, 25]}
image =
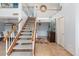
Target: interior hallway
{"type": "Point", "coordinates": [45, 48]}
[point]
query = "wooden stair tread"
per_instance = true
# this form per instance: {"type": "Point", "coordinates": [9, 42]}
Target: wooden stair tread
{"type": "Point", "coordinates": [23, 47]}
{"type": "Point", "coordinates": [14, 53]}
{"type": "Point", "coordinates": [24, 41]}
{"type": "Point", "coordinates": [27, 27]}
{"type": "Point", "coordinates": [26, 32]}
{"type": "Point", "coordinates": [31, 21]}
{"type": "Point", "coordinates": [25, 37]}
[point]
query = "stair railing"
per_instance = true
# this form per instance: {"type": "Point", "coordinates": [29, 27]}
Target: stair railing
{"type": "Point", "coordinates": [11, 37]}
{"type": "Point", "coordinates": [8, 38]}
{"type": "Point", "coordinates": [10, 33]}
{"type": "Point", "coordinates": [34, 38]}
{"type": "Point", "coordinates": [10, 49]}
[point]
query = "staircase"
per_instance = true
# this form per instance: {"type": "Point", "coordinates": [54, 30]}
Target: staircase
{"type": "Point", "coordinates": [24, 44]}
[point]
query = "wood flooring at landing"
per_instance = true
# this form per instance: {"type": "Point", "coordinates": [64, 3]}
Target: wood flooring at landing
{"type": "Point", "coordinates": [50, 49]}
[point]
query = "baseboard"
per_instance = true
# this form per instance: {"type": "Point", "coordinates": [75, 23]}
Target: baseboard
{"type": "Point", "coordinates": [65, 49]}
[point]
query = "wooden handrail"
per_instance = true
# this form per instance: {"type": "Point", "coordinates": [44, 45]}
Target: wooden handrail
{"type": "Point", "coordinates": [34, 39]}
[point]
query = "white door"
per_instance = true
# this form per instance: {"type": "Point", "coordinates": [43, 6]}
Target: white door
{"type": "Point", "coordinates": [60, 31]}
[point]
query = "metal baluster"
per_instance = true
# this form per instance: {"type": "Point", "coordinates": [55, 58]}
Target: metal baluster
{"type": "Point", "coordinates": [10, 39]}
{"type": "Point", "coordinates": [9, 42]}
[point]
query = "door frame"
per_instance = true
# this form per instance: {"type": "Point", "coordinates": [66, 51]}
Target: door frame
{"type": "Point", "coordinates": [57, 35]}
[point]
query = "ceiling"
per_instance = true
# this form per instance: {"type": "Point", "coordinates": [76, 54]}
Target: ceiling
{"type": "Point", "coordinates": [52, 8]}
{"type": "Point", "coordinates": [54, 5]}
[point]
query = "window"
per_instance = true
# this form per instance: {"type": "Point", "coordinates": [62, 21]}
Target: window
{"type": "Point", "coordinates": [9, 5]}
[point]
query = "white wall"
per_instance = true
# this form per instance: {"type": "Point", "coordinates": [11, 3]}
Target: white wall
{"type": "Point", "coordinates": [8, 12]}
{"type": "Point", "coordinates": [68, 11]}
{"type": "Point", "coordinates": [69, 14]}
{"type": "Point", "coordinates": [43, 19]}
{"type": "Point", "coordinates": [22, 16]}
{"type": "Point", "coordinates": [42, 30]}
{"type": "Point", "coordinates": [49, 12]}
{"type": "Point", "coordinates": [77, 29]}
{"type": "Point", "coordinates": [7, 28]}
{"type": "Point", "coordinates": [1, 27]}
